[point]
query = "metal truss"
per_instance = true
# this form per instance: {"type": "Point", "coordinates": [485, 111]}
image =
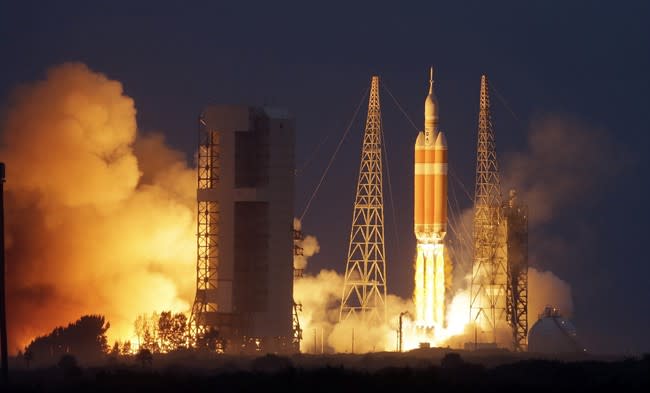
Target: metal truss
{"type": "Point", "coordinates": [364, 288]}
{"type": "Point", "coordinates": [517, 300]}
{"type": "Point", "coordinates": [489, 272]}
{"type": "Point", "coordinates": [203, 318]}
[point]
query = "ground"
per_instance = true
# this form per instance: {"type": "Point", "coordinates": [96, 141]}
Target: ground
{"type": "Point", "coordinates": [420, 370]}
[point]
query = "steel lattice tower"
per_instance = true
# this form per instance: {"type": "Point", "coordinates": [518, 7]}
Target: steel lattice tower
{"type": "Point", "coordinates": [516, 220]}
{"type": "Point", "coordinates": [364, 288]}
{"type": "Point", "coordinates": [489, 274]}
{"type": "Point", "coordinates": [204, 310]}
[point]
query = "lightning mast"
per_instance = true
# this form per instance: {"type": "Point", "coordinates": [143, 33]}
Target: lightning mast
{"type": "Point", "coordinates": [364, 288]}
{"type": "Point", "coordinates": [489, 273]}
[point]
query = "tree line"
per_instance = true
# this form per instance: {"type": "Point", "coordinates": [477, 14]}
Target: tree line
{"type": "Point", "coordinates": [161, 333]}
{"type": "Point", "coordinates": [86, 339]}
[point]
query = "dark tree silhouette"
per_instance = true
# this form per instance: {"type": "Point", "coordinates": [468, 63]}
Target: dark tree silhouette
{"type": "Point", "coordinates": [172, 331]}
{"type": "Point", "coordinates": [28, 356]}
{"type": "Point", "coordinates": [115, 351]}
{"type": "Point", "coordinates": [144, 356]}
{"type": "Point", "coordinates": [165, 325]}
{"type": "Point", "coordinates": [68, 364]}
{"type": "Point", "coordinates": [179, 331]}
{"type": "Point", "coordinates": [86, 338]}
{"type": "Point", "coordinates": [126, 348]}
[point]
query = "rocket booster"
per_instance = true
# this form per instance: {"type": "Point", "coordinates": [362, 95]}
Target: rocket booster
{"type": "Point", "coordinates": [430, 207]}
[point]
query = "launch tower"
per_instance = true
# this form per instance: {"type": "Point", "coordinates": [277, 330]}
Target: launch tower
{"type": "Point", "coordinates": [364, 288]}
{"type": "Point", "coordinates": [515, 216]}
{"type": "Point", "coordinates": [489, 272]}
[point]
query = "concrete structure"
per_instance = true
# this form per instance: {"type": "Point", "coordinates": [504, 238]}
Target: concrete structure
{"type": "Point", "coordinates": [245, 215]}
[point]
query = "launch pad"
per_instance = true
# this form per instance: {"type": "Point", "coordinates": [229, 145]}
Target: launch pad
{"type": "Point", "coordinates": [261, 314]}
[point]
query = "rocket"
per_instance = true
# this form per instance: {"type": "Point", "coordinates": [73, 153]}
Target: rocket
{"type": "Point", "coordinates": [430, 218]}
{"type": "Point", "coordinates": [430, 210]}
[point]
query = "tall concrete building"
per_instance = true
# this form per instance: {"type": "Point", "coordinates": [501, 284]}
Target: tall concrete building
{"type": "Point", "coordinates": [245, 213]}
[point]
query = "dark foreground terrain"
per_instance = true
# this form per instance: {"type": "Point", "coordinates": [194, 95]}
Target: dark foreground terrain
{"type": "Point", "coordinates": [397, 373]}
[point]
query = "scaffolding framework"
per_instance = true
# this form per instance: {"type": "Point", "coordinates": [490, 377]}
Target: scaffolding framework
{"type": "Point", "coordinates": [489, 272]}
{"type": "Point", "coordinates": [516, 219]}
{"type": "Point", "coordinates": [298, 237]}
{"type": "Point", "coordinates": [364, 288]}
{"type": "Point", "coordinates": [204, 310]}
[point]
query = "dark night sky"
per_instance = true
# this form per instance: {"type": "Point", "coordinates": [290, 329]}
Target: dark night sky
{"type": "Point", "coordinates": [586, 59]}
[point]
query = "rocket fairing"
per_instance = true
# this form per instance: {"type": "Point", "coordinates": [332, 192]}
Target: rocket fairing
{"type": "Point", "coordinates": [430, 204]}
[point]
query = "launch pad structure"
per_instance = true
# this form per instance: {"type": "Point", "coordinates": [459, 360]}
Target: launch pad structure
{"type": "Point", "coordinates": [245, 243]}
{"type": "Point", "coordinates": [515, 217]}
{"type": "Point", "coordinates": [203, 320]}
{"type": "Point", "coordinates": [489, 271]}
{"type": "Point", "coordinates": [499, 286]}
{"type": "Point", "coordinates": [364, 288]}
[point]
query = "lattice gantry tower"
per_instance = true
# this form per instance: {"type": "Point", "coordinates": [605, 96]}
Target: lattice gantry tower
{"type": "Point", "coordinates": [489, 274]}
{"type": "Point", "coordinates": [515, 217]}
{"type": "Point", "coordinates": [204, 311]}
{"type": "Point", "coordinates": [364, 288]}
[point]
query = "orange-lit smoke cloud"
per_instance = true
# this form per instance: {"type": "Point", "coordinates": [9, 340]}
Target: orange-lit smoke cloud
{"type": "Point", "coordinates": [99, 219]}
{"type": "Point", "coordinates": [566, 163]}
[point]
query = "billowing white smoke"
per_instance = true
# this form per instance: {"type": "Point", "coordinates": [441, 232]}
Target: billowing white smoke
{"type": "Point", "coordinates": [320, 297]}
{"type": "Point", "coordinates": [545, 288]}
{"type": "Point", "coordinates": [99, 220]}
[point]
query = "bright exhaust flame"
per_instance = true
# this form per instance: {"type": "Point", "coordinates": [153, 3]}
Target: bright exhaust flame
{"type": "Point", "coordinates": [430, 286]}
{"type": "Point", "coordinates": [434, 322]}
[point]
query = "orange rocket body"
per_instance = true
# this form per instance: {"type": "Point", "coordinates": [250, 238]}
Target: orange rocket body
{"type": "Point", "coordinates": [440, 187]}
{"type": "Point", "coordinates": [418, 203]}
{"type": "Point", "coordinates": [430, 177]}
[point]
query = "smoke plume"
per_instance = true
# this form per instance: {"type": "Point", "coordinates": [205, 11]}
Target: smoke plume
{"type": "Point", "coordinates": [566, 164]}
{"type": "Point", "coordinates": [99, 219]}
{"type": "Point", "coordinates": [545, 288]}
{"type": "Point", "coordinates": [309, 246]}
{"type": "Point", "coordinates": [320, 297]}
{"type": "Point", "coordinates": [565, 161]}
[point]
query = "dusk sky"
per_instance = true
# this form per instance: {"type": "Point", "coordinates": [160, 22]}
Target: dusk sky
{"type": "Point", "coordinates": [553, 65]}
